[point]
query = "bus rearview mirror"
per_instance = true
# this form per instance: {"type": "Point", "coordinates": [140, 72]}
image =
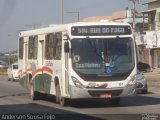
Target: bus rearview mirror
{"type": "Point", "coordinates": [66, 47]}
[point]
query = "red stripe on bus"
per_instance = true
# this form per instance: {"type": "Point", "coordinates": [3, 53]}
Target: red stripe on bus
{"type": "Point", "coordinates": [37, 70]}
{"type": "Point", "coordinates": [42, 69]}
{"type": "Point", "coordinates": [23, 73]}
{"type": "Point", "coordinates": [47, 69]}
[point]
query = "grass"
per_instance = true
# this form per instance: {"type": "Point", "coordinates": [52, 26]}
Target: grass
{"type": "Point", "coordinates": [3, 71]}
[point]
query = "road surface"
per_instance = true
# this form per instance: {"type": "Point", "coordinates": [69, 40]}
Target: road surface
{"type": "Point", "coordinates": [14, 100]}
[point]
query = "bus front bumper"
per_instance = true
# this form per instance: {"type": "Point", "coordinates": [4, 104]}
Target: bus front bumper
{"type": "Point", "coordinates": [78, 93]}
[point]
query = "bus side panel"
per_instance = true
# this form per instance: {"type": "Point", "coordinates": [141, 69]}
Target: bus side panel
{"type": "Point", "coordinates": [24, 81]}
{"type": "Point", "coordinates": [41, 80]}
{"type": "Point", "coordinates": [47, 83]}
{"type": "Point", "coordinates": [24, 77]}
{"type": "Point", "coordinates": [38, 83]}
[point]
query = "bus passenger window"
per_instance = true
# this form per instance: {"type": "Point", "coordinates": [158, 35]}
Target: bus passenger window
{"type": "Point", "coordinates": [50, 46]}
{"type": "Point", "coordinates": [58, 46]}
{"type": "Point", "coordinates": [32, 48]}
{"type": "Point", "coordinates": [21, 47]}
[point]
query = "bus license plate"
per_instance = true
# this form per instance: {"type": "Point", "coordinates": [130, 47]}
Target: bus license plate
{"type": "Point", "coordinates": [105, 95]}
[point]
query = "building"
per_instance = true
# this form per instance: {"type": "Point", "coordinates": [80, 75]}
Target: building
{"type": "Point", "coordinates": [121, 16]}
{"type": "Point", "coordinates": [151, 39]}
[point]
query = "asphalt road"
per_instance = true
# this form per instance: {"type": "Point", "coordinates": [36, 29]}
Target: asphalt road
{"type": "Point", "coordinates": [15, 100]}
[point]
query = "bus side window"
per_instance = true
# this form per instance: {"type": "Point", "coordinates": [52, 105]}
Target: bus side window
{"type": "Point", "coordinates": [33, 46]}
{"type": "Point", "coordinates": [49, 47]}
{"type": "Point", "coordinates": [58, 46]}
{"type": "Point", "coordinates": [53, 46]}
{"type": "Point", "coordinates": [21, 47]}
{"type": "Point", "coordinates": [30, 47]}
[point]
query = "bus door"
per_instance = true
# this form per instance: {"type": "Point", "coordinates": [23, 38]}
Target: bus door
{"type": "Point", "coordinates": [25, 63]}
{"type": "Point", "coordinates": [65, 38]}
{"type": "Point", "coordinates": [25, 55]}
{"type": "Point", "coordinates": [41, 39]}
{"type": "Point", "coordinates": [41, 56]}
{"type": "Point", "coordinates": [41, 60]}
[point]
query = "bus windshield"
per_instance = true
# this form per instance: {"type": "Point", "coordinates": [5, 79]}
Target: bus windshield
{"type": "Point", "coordinates": [102, 56]}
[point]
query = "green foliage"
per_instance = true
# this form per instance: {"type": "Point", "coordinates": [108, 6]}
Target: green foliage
{"type": "Point", "coordinates": [11, 59]}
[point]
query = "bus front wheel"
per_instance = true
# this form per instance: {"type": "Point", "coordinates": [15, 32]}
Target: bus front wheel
{"type": "Point", "coordinates": [59, 99]}
{"type": "Point", "coordinates": [12, 78]}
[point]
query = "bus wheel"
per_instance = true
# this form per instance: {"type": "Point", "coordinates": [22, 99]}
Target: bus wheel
{"type": "Point", "coordinates": [114, 101]}
{"type": "Point", "coordinates": [59, 99]}
{"type": "Point", "coordinates": [57, 93]}
{"type": "Point", "coordinates": [63, 101]}
{"type": "Point", "coordinates": [33, 94]}
{"type": "Point", "coordinates": [29, 82]}
{"type": "Point", "coordinates": [12, 79]}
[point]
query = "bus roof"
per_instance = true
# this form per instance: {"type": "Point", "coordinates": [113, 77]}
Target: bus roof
{"type": "Point", "coordinates": [64, 27]}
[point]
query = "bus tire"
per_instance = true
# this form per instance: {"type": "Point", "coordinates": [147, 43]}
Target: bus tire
{"type": "Point", "coordinates": [33, 94]}
{"type": "Point", "coordinates": [114, 101]}
{"type": "Point", "coordinates": [144, 91]}
{"type": "Point", "coordinates": [29, 81]}
{"type": "Point", "coordinates": [59, 99]}
{"type": "Point", "coordinates": [57, 93]}
{"type": "Point", "coordinates": [12, 79]}
{"type": "Point", "coordinates": [63, 101]}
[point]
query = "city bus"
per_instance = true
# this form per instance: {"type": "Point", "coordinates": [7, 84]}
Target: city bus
{"type": "Point", "coordinates": [82, 60]}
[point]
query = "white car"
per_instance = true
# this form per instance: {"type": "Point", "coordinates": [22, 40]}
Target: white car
{"type": "Point", "coordinates": [13, 72]}
{"type": "Point", "coordinates": [141, 83]}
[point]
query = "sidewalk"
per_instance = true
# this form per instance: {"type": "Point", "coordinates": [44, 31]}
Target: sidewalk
{"type": "Point", "coordinates": [153, 80]}
{"type": "Point", "coordinates": [3, 71]}
{"type": "Point", "coordinates": [153, 71]}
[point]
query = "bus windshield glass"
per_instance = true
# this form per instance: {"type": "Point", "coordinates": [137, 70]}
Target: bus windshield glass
{"type": "Point", "coordinates": [102, 56]}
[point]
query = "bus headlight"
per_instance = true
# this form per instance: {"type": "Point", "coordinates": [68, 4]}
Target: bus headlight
{"type": "Point", "coordinates": [132, 81]}
{"type": "Point", "coordinates": [76, 82]}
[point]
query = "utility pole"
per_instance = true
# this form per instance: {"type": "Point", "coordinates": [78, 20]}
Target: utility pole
{"type": "Point", "coordinates": [9, 51]}
{"type": "Point", "coordinates": [133, 13]}
{"type": "Point", "coordinates": [62, 11]}
{"type": "Point", "coordinates": [134, 24]}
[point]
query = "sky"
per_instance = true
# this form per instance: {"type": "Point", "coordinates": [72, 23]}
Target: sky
{"type": "Point", "coordinates": [17, 15]}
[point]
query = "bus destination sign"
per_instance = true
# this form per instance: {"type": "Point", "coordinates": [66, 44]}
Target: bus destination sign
{"type": "Point", "coordinates": [100, 30]}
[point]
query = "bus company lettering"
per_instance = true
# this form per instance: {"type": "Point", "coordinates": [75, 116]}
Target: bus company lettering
{"type": "Point", "coordinates": [82, 30]}
{"type": "Point", "coordinates": [88, 65]}
{"type": "Point", "coordinates": [96, 30]}
{"type": "Point", "coordinates": [117, 30]}
{"type": "Point", "coordinates": [49, 63]}
{"type": "Point", "coordinates": [105, 30]}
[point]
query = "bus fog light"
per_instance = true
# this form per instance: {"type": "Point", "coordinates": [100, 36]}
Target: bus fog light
{"type": "Point", "coordinates": [76, 82]}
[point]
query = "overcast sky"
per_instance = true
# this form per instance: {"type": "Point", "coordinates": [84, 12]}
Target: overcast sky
{"type": "Point", "coordinates": [18, 15]}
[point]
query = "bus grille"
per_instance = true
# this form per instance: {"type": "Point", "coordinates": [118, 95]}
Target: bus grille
{"type": "Point", "coordinates": [95, 93]}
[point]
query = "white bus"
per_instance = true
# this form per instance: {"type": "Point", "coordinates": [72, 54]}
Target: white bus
{"type": "Point", "coordinates": [79, 60]}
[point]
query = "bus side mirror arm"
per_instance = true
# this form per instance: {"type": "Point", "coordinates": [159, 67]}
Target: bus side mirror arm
{"type": "Point", "coordinates": [66, 37]}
